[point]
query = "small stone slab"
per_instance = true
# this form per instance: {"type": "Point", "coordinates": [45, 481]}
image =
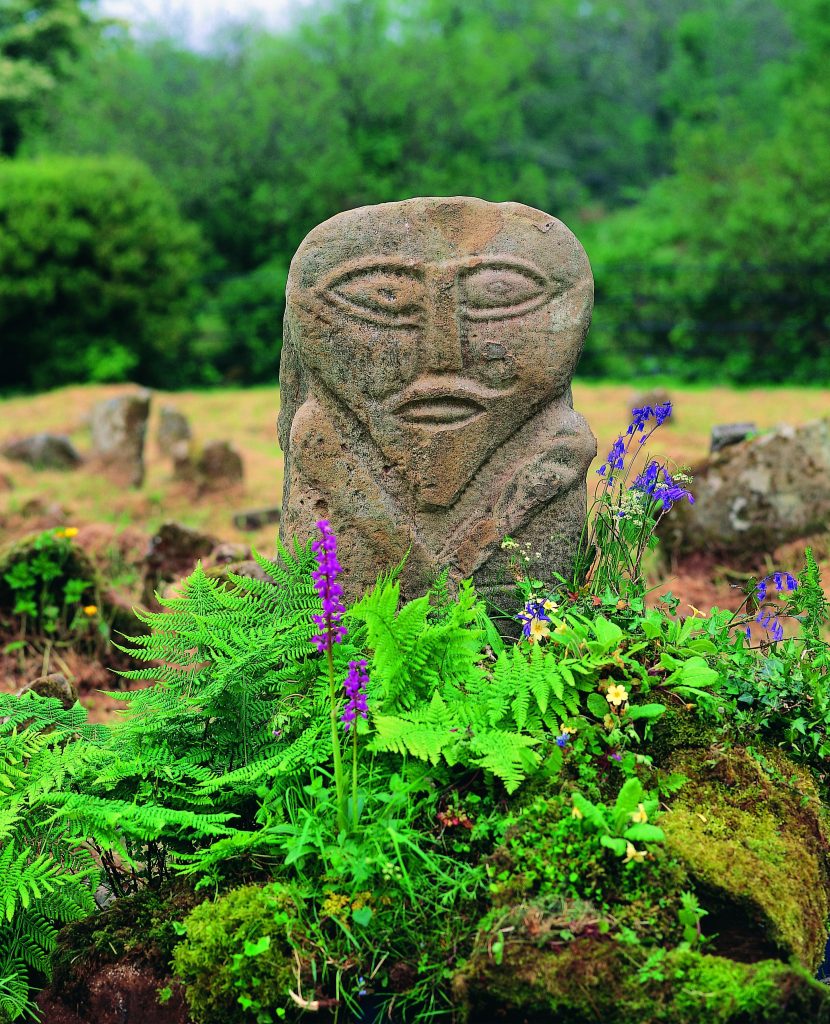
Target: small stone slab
{"type": "Point", "coordinates": [726, 434]}
{"type": "Point", "coordinates": [44, 451]}
{"type": "Point", "coordinates": [255, 519]}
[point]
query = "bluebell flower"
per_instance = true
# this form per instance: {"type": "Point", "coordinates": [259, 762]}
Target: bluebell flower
{"type": "Point", "coordinates": [639, 419]}
{"type": "Point", "coordinates": [657, 483]}
{"type": "Point", "coordinates": [662, 413]}
{"type": "Point", "coordinates": [562, 740]}
{"type": "Point", "coordinates": [615, 458]}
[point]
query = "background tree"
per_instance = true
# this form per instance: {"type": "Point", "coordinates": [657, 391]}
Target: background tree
{"type": "Point", "coordinates": [39, 41]}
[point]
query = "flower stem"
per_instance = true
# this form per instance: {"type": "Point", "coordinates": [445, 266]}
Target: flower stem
{"type": "Point", "coordinates": [354, 772]}
{"type": "Point", "coordinates": [342, 817]}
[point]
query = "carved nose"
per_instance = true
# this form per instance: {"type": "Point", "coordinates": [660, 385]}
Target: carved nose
{"type": "Point", "coordinates": [442, 343]}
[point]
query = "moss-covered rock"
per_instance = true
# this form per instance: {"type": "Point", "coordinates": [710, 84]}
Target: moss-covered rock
{"type": "Point", "coordinates": [595, 980]}
{"type": "Point", "coordinates": [755, 846]}
{"type": "Point", "coordinates": [236, 959]}
{"type": "Point", "coordinates": [117, 962]}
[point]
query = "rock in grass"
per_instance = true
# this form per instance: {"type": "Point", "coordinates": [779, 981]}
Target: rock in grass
{"type": "Point", "coordinates": [591, 979]}
{"type": "Point", "coordinates": [173, 551]}
{"type": "Point", "coordinates": [44, 451]}
{"type": "Point", "coordinates": [756, 843]}
{"type": "Point", "coordinates": [726, 434]}
{"type": "Point", "coordinates": [755, 496]}
{"type": "Point", "coordinates": [119, 428]}
{"type": "Point", "coordinates": [53, 685]}
{"type": "Point", "coordinates": [218, 467]}
{"type": "Point", "coordinates": [173, 435]}
{"type": "Point", "coordinates": [256, 518]}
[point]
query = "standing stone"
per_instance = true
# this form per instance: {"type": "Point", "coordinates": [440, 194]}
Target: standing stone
{"type": "Point", "coordinates": [174, 435]}
{"type": "Point", "coordinates": [44, 451]}
{"type": "Point", "coordinates": [428, 352]}
{"type": "Point", "coordinates": [119, 427]}
{"type": "Point", "coordinates": [219, 467]}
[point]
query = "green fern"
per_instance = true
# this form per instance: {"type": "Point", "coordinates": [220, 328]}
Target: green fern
{"type": "Point", "coordinates": [440, 694]}
{"type": "Point", "coordinates": [809, 599]}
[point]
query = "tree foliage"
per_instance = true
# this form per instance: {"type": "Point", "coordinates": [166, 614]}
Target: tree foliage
{"type": "Point", "coordinates": [97, 272]}
{"type": "Point", "coordinates": [683, 140]}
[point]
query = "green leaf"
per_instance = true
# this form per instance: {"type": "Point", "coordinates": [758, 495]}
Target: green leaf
{"type": "Point", "coordinates": [643, 832]}
{"type": "Point", "coordinates": [362, 916]}
{"type": "Point", "coordinates": [608, 633]}
{"type": "Point", "coordinates": [260, 946]}
{"type": "Point", "coordinates": [597, 705]}
{"type": "Point", "coordinates": [636, 711]}
{"type": "Point", "coordinates": [613, 843]}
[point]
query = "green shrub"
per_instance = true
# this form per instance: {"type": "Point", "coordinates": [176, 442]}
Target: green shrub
{"type": "Point", "coordinates": [720, 270]}
{"type": "Point", "coordinates": [237, 956]}
{"type": "Point", "coordinates": [97, 273]}
{"type": "Point", "coordinates": [247, 326]}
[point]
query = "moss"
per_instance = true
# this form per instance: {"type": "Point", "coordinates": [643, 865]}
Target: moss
{"type": "Point", "coordinates": [756, 849]}
{"type": "Point", "coordinates": [678, 729]}
{"type": "Point", "coordinates": [594, 979]}
{"type": "Point", "coordinates": [216, 969]}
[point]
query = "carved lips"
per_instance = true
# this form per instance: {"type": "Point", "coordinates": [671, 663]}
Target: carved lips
{"type": "Point", "coordinates": [437, 403]}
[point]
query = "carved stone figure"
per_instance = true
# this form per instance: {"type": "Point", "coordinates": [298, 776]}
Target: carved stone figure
{"type": "Point", "coordinates": [428, 352]}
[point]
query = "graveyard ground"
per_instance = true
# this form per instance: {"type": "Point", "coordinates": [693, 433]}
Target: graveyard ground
{"type": "Point", "coordinates": [116, 523]}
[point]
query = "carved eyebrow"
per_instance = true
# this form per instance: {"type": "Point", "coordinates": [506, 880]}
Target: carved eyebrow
{"type": "Point", "coordinates": [394, 264]}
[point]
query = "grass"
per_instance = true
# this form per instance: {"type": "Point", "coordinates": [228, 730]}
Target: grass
{"type": "Point", "coordinates": [247, 418]}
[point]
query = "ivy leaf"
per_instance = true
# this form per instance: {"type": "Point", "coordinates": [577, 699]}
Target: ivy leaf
{"type": "Point", "coordinates": [260, 946]}
{"type": "Point", "coordinates": [362, 916]}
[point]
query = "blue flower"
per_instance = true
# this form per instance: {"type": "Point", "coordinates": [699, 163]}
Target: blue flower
{"type": "Point", "coordinates": [562, 739]}
{"type": "Point", "coordinates": [615, 458]}
{"type": "Point", "coordinates": [533, 610]}
{"type": "Point", "coordinates": [658, 484]}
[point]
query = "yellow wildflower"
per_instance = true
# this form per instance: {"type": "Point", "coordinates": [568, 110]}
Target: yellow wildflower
{"type": "Point", "coordinates": [609, 721]}
{"type": "Point", "coordinates": [550, 606]}
{"type": "Point", "coordinates": [539, 629]}
{"type": "Point", "coordinates": [616, 695]}
{"type": "Point", "coordinates": [90, 609]}
{"type": "Point", "coordinates": [561, 628]}
{"type": "Point", "coordinates": [70, 531]}
{"type": "Point", "coordinates": [569, 729]}
{"type": "Point", "coordinates": [639, 815]}
{"type": "Point", "coordinates": [576, 813]}
{"type": "Point", "coordinates": [632, 853]}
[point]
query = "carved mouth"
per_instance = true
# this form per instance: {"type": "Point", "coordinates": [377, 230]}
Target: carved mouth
{"type": "Point", "coordinates": [439, 410]}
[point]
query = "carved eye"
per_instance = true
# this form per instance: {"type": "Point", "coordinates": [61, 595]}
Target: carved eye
{"type": "Point", "coordinates": [379, 296]}
{"type": "Point", "coordinates": [489, 293]}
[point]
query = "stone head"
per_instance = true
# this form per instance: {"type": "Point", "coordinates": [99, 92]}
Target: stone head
{"type": "Point", "coordinates": [442, 325]}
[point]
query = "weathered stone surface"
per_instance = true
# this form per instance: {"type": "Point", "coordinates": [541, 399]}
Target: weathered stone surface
{"type": "Point", "coordinates": [119, 427]}
{"type": "Point", "coordinates": [428, 352]}
{"type": "Point", "coordinates": [726, 434]}
{"type": "Point", "coordinates": [219, 466]}
{"type": "Point", "coordinates": [256, 518]}
{"type": "Point", "coordinates": [753, 496]}
{"type": "Point", "coordinates": [173, 435]}
{"type": "Point", "coordinates": [44, 451]}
